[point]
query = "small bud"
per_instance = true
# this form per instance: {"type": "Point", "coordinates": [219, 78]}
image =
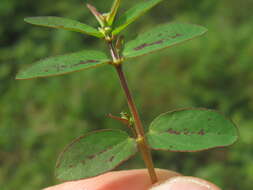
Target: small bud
{"type": "Point", "coordinates": [100, 18]}
{"type": "Point", "coordinates": [123, 120]}
{"type": "Point", "coordinates": [120, 42]}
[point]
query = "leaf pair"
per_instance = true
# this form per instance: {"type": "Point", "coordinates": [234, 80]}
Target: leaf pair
{"type": "Point", "coordinates": [164, 36]}
{"type": "Point", "coordinates": [80, 60]}
{"type": "Point", "coordinates": [72, 25]}
{"type": "Point", "coordinates": [184, 131]}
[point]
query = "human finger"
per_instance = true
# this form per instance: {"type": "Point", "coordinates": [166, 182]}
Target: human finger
{"type": "Point", "coordinates": [117, 180]}
{"type": "Point", "coordinates": [185, 183]}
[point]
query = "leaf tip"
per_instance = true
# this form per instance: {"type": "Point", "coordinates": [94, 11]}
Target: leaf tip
{"type": "Point", "coordinates": [202, 29]}
{"type": "Point", "coordinates": [28, 19]}
{"type": "Point", "coordinates": [19, 76]}
{"type": "Point", "coordinates": [205, 30]}
{"type": "Point", "coordinates": [22, 76]}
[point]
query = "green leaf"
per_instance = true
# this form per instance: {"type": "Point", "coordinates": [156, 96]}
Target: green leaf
{"type": "Point", "coordinates": [64, 64]}
{"type": "Point", "coordinates": [113, 11]}
{"type": "Point", "coordinates": [94, 154]}
{"type": "Point", "coordinates": [64, 23]}
{"type": "Point", "coordinates": [191, 130]}
{"type": "Point", "coordinates": [163, 36]}
{"type": "Point", "coordinates": [132, 14]}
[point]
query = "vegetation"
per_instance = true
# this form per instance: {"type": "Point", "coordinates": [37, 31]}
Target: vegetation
{"type": "Point", "coordinates": [36, 117]}
{"type": "Point", "coordinates": [185, 130]}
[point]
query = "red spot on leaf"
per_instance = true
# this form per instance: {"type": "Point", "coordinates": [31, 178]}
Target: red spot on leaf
{"type": "Point", "coordinates": [157, 42]}
{"type": "Point", "coordinates": [109, 148]}
{"type": "Point", "coordinates": [88, 61]}
{"type": "Point", "coordinates": [144, 45]}
{"type": "Point", "coordinates": [71, 166]}
{"type": "Point", "coordinates": [148, 44]}
{"type": "Point", "coordinates": [174, 132]}
{"type": "Point", "coordinates": [186, 131]}
{"type": "Point", "coordinates": [141, 46]}
{"type": "Point", "coordinates": [111, 159]}
{"type": "Point", "coordinates": [85, 62]}
{"type": "Point", "coordinates": [202, 132]}
{"type": "Point", "coordinates": [91, 157]}
{"type": "Point", "coordinates": [177, 35]}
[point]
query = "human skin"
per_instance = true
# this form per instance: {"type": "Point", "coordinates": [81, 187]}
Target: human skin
{"type": "Point", "coordinates": [137, 180]}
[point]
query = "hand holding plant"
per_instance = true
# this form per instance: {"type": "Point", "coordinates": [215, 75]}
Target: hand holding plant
{"type": "Point", "coordinates": [137, 180]}
{"type": "Point", "coordinates": [184, 130]}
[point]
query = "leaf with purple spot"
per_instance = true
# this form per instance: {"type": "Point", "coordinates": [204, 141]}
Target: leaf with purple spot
{"type": "Point", "coordinates": [94, 154]}
{"type": "Point", "coordinates": [161, 37]}
{"type": "Point", "coordinates": [64, 64]}
{"type": "Point", "coordinates": [191, 130]}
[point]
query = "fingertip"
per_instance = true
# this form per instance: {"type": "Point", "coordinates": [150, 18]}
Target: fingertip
{"type": "Point", "coordinates": [185, 183]}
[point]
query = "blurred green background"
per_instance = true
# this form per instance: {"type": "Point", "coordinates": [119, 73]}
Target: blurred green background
{"type": "Point", "coordinates": [39, 117]}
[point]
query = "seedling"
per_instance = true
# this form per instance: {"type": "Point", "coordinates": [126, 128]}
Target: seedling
{"type": "Point", "coordinates": [185, 130]}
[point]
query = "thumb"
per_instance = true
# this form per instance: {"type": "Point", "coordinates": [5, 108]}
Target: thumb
{"type": "Point", "coordinates": [185, 183]}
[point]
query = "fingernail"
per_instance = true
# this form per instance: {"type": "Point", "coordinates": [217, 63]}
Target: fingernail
{"type": "Point", "coordinates": [183, 183]}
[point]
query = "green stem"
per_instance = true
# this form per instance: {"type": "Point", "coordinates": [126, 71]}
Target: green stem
{"type": "Point", "coordinates": [141, 140]}
{"type": "Point", "coordinates": [138, 127]}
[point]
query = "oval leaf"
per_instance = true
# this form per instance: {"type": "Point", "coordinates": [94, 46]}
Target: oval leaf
{"type": "Point", "coordinates": [64, 64]}
{"type": "Point", "coordinates": [94, 154]}
{"type": "Point", "coordinates": [132, 14]}
{"type": "Point", "coordinates": [191, 130]}
{"type": "Point", "coordinates": [64, 23]}
{"type": "Point", "coordinates": [161, 37]}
